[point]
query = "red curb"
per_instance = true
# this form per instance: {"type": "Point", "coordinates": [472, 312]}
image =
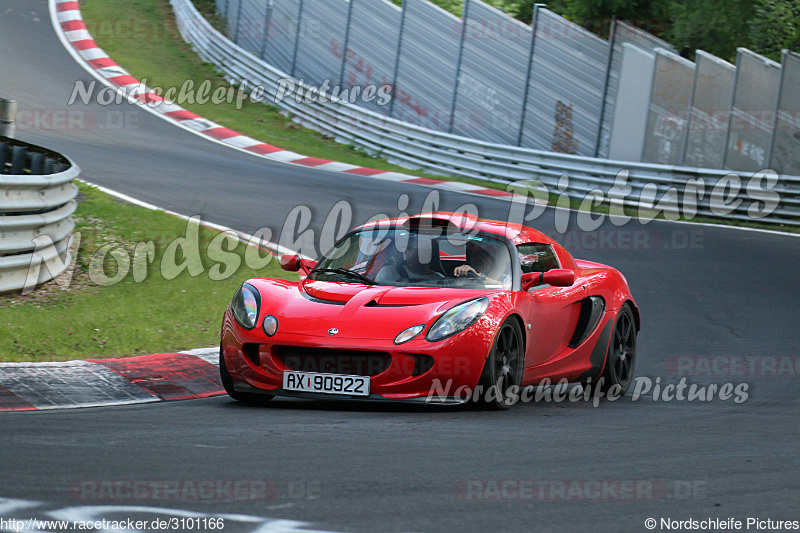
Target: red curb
{"type": "Point", "coordinates": [171, 376]}
{"type": "Point", "coordinates": [102, 62]}
{"type": "Point", "coordinates": [221, 133]}
{"type": "Point", "coordinates": [11, 402]}
{"type": "Point", "coordinates": [123, 80]}
{"type": "Point", "coordinates": [493, 192]}
{"type": "Point", "coordinates": [363, 171]}
{"type": "Point", "coordinates": [311, 161]}
{"type": "Point", "coordinates": [85, 44]}
{"type": "Point", "coordinates": [264, 148]}
{"type": "Point", "coordinates": [67, 6]}
{"type": "Point", "coordinates": [72, 25]}
{"type": "Point", "coordinates": [425, 181]}
{"type": "Point", "coordinates": [148, 98]}
{"type": "Point", "coordinates": [182, 115]}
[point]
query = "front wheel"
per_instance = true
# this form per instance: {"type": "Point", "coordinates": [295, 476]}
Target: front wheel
{"type": "Point", "coordinates": [227, 383]}
{"type": "Point", "coordinates": [621, 358]}
{"type": "Point", "coordinates": [502, 373]}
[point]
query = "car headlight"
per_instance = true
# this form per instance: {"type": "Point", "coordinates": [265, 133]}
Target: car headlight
{"type": "Point", "coordinates": [270, 325]}
{"type": "Point", "coordinates": [457, 319]}
{"type": "Point", "coordinates": [245, 306]}
{"type": "Point", "coordinates": [408, 334]}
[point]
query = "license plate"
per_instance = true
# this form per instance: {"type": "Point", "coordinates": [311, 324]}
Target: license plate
{"type": "Point", "coordinates": [326, 383]}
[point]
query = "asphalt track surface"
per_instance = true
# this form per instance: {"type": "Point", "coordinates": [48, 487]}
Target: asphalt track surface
{"type": "Point", "coordinates": [370, 467]}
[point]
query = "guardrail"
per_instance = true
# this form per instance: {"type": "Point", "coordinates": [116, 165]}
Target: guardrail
{"type": "Point", "coordinates": [669, 187]}
{"type": "Point", "coordinates": [37, 199]}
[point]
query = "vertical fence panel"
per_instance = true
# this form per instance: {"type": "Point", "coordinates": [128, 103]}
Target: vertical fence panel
{"type": "Point", "coordinates": [372, 47]}
{"type": "Point", "coordinates": [633, 99]}
{"type": "Point", "coordinates": [786, 145]}
{"type": "Point", "coordinates": [479, 79]}
{"type": "Point", "coordinates": [322, 28]}
{"type": "Point", "coordinates": [427, 69]}
{"type": "Point", "coordinates": [668, 109]}
{"type": "Point", "coordinates": [280, 34]}
{"type": "Point", "coordinates": [567, 81]}
{"type": "Point", "coordinates": [710, 111]}
{"type": "Point", "coordinates": [232, 14]}
{"type": "Point", "coordinates": [250, 28]}
{"type": "Point", "coordinates": [491, 85]}
{"type": "Point", "coordinates": [755, 101]}
{"type": "Point", "coordinates": [624, 33]}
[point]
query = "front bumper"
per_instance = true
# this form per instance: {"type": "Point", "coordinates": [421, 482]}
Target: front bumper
{"type": "Point", "coordinates": [436, 372]}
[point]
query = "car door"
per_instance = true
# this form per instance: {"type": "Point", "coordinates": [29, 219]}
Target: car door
{"type": "Point", "coordinates": [552, 312]}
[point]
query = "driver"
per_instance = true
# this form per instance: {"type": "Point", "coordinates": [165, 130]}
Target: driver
{"type": "Point", "coordinates": [482, 262]}
{"type": "Point", "coordinates": [411, 265]}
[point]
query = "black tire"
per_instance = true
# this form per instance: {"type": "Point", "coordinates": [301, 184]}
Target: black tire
{"type": "Point", "coordinates": [621, 357]}
{"type": "Point", "coordinates": [227, 384]}
{"type": "Point", "coordinates": [503, 368]}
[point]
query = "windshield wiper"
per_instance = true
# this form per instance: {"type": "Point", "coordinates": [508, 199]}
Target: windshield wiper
{"type": "Point", "coordinates": [346, 272]}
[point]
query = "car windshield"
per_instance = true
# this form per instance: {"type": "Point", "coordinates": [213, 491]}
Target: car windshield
{"type": "Point", "coordinates": [400, 257]}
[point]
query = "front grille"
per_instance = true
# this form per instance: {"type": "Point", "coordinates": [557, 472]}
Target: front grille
{"type": "Point", "coordinates": [333, 361]}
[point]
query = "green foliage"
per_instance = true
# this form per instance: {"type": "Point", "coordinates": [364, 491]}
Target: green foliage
{"type": "Point", "coordinates": [716, 26]}
{"type": "Point", "coordinates": [775, 25]}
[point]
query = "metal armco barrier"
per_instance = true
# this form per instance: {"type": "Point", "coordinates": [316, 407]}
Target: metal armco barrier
{"type": "Point", "coordinates": [37, 199]}
{"type": "Point", "coordinates": [669, 187]}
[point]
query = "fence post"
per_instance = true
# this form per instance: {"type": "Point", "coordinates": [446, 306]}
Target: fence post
{"type": "Point", "coordinates": [784, 64]}
{"type": "Point", "coordinates": [464, 16]}
{"type": "Point", "coordinates": [8, 115]}
{"type": "Point", "coordinates": [346, 42]}
{"type": "Point", "coordinates": [397, 59]}
{"type": "Point", "coordinates": [238, 21]}
{"type": "Point", "coordinates": [297, 36]}
{"type": "Point", "coordinates": [534, 20]}
{"type": "Point", "coordinates": [267, 20]}
{"type": "Point", "coordinates": [690, 116]}
{"type": "Point", "coordinates": [612, 38]}
{"type": "Point", "coordinates": [730, 111]}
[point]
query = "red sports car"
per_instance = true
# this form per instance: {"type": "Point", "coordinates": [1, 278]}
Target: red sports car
{"type": "Point", "coordinates": [431, 308]}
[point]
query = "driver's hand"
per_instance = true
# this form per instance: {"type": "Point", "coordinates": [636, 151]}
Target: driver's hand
{"type": "Point", "coordinates": [463, 270]}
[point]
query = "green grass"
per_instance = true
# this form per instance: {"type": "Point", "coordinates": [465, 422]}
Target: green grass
{"type": "Point", "coordinates": [129, 317]}
{"type": "Point", "coordinates": [151, 48]}
{"type": "Point", "coordinates": [157, 53]}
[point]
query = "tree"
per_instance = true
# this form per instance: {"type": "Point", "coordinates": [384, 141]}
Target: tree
{"type": "Point", "coordinates": [775, 25]}
{"type": "Point", "coordinates": [716, 26]}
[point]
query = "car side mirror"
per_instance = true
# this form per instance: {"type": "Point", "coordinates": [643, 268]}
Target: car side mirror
{"type": "Point", "coordinates": [557, 277]}
{"type": "Point", "coordinates": [294, 263]}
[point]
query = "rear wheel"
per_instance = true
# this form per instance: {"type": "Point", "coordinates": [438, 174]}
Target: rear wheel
{"type": "Point", "coordinates": [227, 383]}
{"type": "Point", "coordinates": [621, 358]}
{"type": "Point", "coordinates": [502, 373]}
